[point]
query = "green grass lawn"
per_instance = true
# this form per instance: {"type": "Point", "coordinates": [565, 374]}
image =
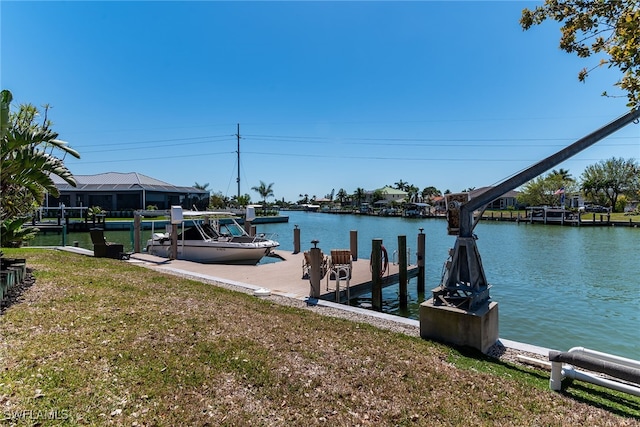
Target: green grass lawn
{"type": "Point", "coordinates": [99, 342]}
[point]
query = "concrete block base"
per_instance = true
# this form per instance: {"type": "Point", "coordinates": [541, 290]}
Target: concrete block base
{"type": "Point", "coordinates": [477, 329]}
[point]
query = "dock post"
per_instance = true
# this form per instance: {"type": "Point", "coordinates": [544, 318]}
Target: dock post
{"type": "Point", "coordinates": [247, 227]}
{"type": "Point", "coordinates": [376, 279]}
{"type": "Point", "coordinates": [402, 264]}
{"type": "Point", "coordinates": [136, 232]}
{"type": "Point", "coordinates": [421, 255]}
{"type": "Point", "coordinates": [315, 275]}
{"type": "Point", "coordinates": [353, 244]}
{"type": "Point", "coordinates": [174, 241]}
{"type": "Point", "coordinates": [296, 239]}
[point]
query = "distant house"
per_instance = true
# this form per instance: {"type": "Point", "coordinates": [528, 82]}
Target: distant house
{"type": "Point", "coordinates": [114, 191]}
{"type": "Point", "coordinates": [389, 193]}
{"type": "Point", "coordinates": [506, 201]}
{"type": "Point", "coordinates": [438, 204]}
{"type": "Point", "coordinates": [322, 201]}
{"type": "Point", "coordinates": [574, 200]}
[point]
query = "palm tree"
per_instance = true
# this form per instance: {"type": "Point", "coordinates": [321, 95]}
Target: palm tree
{"type": "Point", "coordinates": [359, 195]}
{"type": "Point", "coordinates": [203, 187]}
{"type": "Point", "coordinates": [562, 174]}
{"type": "Point", "coordinates": [25, 166]}
{"type": "Point", "coordinates": [412, 193]}
{"type": "Point", "coordinates": [264, 191]}
{"type": "Point", "coordinates": [342, 195]}
{"type": "Point", "coordinates": [401, 185]}
{"type": "Point", "coordinates": [5, 102]}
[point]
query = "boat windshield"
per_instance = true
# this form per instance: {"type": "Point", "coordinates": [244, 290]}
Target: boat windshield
{"type": "Point", "coordinates": [231, 229]}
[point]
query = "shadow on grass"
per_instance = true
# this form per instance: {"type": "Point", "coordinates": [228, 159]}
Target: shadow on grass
{"type": "Point", "coordinates": [615, 402]}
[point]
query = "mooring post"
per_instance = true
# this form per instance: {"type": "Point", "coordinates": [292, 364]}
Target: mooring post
{"type": "Point", "coordinates": [136, 232]}
{"type": "Point", "coordinates": [353, 244]}
{"type": "Point", "coordinates": [421, 255]}
{"type": "Point", "coordinates": [296, 239]}
{"type": "Point", "coordinates": [315, 275]}
{"type": "Point", "coordinates": [376, 277]}
{"type": "Point", "coordinates": [247, 226]}
{"type": "Point", "coordinates": [402, 264]}
{"type": "Point", "coordinates": [174, 241]}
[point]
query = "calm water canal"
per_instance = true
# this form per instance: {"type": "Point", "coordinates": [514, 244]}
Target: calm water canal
{"type": "Point", "coordinates": [556, 287]}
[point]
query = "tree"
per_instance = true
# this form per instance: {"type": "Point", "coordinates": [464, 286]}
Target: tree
{"type": "Point", "coordinates": [342, 196]}
{"type": "Point", "coordinates": [608, 179]}
{"type": "Point", "coordinates": [610, 29]}
{"type": "Point", "coordinates": [359, 195]}
{"type": "Point", "coordinates": [243, 200]}
{"type": "Point", "coordinates": [378, 195]}
{"type": "Point", "coordinates": [217, 200]}
{"type": "Point", "coordinates": [562, 174]}
{"type": "Point", "coordinates": [545, 190]}
{"type": "Point", "coordinates": [430, 192]}
{"type": "Point", "coordinates": [264, 191]}
{"type": "Point", "coordinates": [201, 186]}
{"type": "Point", "coordinates": [412, 193]}
{"type": "Point", "coordinates": [25, 165]}
{"type": "Point", "coordinates": [401, 185]}
{"type": "Point", "coordinates": [5, 106]}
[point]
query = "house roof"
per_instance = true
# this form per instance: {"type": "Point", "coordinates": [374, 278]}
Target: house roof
{"type": "Point", "coordinates": [391, 190]}
{"type": "Point", "coordinates": [117, 181]}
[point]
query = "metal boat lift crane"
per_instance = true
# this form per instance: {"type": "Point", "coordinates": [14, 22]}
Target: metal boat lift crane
{"type": "Point", "coordinates": [464, 284]}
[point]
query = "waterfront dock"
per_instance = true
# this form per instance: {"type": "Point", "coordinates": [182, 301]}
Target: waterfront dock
{"type": "Point", "coordinates": [283, 277]}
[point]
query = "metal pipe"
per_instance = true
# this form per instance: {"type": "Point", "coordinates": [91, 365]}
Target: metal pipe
{"type": "Point", "coordinates": [607, 357]}
{"type": "Point", "coordinates": [569, 372]}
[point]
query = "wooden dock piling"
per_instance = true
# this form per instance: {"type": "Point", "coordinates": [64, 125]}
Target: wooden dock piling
{"type": "Point", "coordinates": [315, 274]}
{"type": "Point", "coordinates": [421, 255]}
{"type": "Point", "coordinates": [296, 240]}
{"type": "Point", "coordinates": [353, 244]}
{"type": "Point", "coordinates": [376, 279]}
{"type": "Point", "coordinates": [402, 264]}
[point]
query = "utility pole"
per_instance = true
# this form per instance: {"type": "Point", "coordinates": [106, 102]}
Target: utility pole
{"type": "Point", "coordinates": [238, 152]}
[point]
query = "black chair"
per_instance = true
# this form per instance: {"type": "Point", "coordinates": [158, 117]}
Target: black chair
{"type": "Point", "coordinates": [104, 249]}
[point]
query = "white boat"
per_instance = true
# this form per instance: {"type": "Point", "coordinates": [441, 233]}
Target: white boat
{"type": "Point", "coordinates": [212, 238]}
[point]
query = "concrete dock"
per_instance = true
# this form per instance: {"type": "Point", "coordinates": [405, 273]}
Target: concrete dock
{"type": "Point", "coordinates": [283, 277]}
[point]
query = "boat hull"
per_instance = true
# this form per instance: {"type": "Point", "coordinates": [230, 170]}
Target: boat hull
{"type": "Point", "coordinates": [215, 252]}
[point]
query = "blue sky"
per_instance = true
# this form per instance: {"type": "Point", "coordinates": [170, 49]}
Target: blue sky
{"type": "Point", "coordinates": [328, 95]}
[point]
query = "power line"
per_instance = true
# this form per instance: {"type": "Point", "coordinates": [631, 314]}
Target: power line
{"type": "Point", "coordinates": [156, 158]}
{"type": "Point", "coordinates": [153, 141]}
{"type": "Point", "coordinates": [146, 148]}
{"type": "Point", "coordinates": [426, 142]}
